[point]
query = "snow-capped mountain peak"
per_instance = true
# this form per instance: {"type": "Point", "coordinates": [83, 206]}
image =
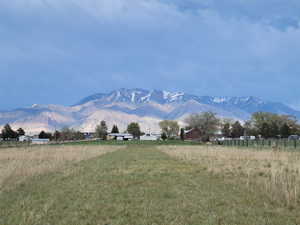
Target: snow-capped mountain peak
{"type": "Point", "coordinates": [147, 107]}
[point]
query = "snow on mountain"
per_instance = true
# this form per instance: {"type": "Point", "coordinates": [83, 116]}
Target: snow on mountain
{"type": "Point", "coordinates": [147, 107]}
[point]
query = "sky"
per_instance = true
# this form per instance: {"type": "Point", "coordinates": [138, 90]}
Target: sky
{"type": "Point", "coordinates": [59, 51]}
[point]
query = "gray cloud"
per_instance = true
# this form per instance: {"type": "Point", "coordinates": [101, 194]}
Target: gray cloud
{"type": "Point", "coordinates": [68, 49]}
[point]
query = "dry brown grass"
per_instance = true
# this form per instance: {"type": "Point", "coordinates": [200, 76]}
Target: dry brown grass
{"type": "Point", "coordinates": [276, 173]}
{"type": "Point", "coordinates": [18, 164]}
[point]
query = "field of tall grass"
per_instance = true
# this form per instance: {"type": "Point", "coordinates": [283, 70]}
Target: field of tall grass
{"type": "Point", "coordinates": [18, 164]}
{"type": "Point", "coordinates": [275, 173]}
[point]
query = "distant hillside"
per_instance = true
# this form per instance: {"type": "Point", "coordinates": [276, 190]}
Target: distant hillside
{"type": "Point", "coordinates": [147, 107]}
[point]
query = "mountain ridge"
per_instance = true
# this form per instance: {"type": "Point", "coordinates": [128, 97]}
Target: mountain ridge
{"type": "Point", "coordinates": [147, 107]}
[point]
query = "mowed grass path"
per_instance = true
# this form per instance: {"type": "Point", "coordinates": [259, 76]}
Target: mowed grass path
{"type": "Point", "coordinates": [137, 186]}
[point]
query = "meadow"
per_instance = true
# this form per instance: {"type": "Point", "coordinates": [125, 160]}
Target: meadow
{"type": "Point", "coordinates": [147, 184]}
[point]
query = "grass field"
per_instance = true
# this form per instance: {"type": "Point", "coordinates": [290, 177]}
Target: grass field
{"type": "Point", "coordinates": [141, 185]}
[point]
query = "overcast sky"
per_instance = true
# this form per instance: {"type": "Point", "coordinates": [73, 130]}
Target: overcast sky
{"type": "Point", "coordinates": [59, 51]}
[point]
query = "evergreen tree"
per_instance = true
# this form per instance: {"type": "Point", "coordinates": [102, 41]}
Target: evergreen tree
{"type": "Point", "coordinates": [134, 129]}
{"type": "Point", "coordinates": [115, 129]}
{"type": "Point", "coordinates": [8, 133]}
{"type": "Point", "coordinates": [182, 134]}
{"type": "Point", "coordinates": [21, 132]}
{"type": "Point", "coordinates": [56, 135]}
{"type": "Point", "coordinates": [44, 135]}
{"type": "Point", "coordinates": [164, 136]}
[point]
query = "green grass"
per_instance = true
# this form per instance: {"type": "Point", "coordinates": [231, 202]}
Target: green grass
{"type": "Point", "coordinates": [137, 186]}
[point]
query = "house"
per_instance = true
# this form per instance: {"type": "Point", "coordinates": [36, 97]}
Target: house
{"type": "Point", "coordinates": [24, 138]}
{"type": "Point", "coordinates": [192, 134]}
{"type": "Point", "coordinates": [89, 135]}
{"type": "Point", "coordinates": [120, 137]}
{"type": "Point", "coordinates": [150, 137]}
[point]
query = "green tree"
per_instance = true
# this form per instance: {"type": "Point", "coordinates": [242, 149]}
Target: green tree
{"type": "Point", "coordinates": [115, 129]}
{"type": "Point", "coordinates": [265, 130]}
{"type": "Point", "coordinates": [164, 136]}
{"type": "Point", "coordinates": [56, 135]}
{"type": "Point", "coordinates": [269, 124]}
{"type": "Point", "coordinates": [285, 131]}
{"type": "Point", "coordinates": [45, 135]}
{"type": "Point", "coordinates": [101, 130]}
{"type": "Point", "coordinates": [237, 130]}
{"type": "Point", "coordinates": [249, 130]}
{"type": "Point", "coordinates": [21, 132]}
{"type": "Point", "coordinates": [274, 129]}
{"type": "Point", "coordinates": [207, 123]}
{"type": "Point", "coordinates": [134, 129]}
{"type": "Point", "coordinates": [169, 127]}
{"type": "Point", "coordinates": [8, 133]}
{"type": "Point", "coordinates": [226, 130]}
{"type": "Point", "coordinates": [182, 134]}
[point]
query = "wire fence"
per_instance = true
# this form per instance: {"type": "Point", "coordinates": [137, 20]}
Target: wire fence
{"type": "Point", "coordinates": [263, 143]}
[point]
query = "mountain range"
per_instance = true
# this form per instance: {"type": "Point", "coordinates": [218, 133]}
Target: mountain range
{"type": "Point", "coordinates": [147, 107]}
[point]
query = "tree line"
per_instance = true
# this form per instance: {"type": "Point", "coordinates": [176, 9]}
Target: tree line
{"type": "Point", "coordinates": [262, 124]}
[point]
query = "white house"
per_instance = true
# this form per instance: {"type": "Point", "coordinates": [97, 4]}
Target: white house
{"type": "Point", "coordinates": [121, 137]}
{"type": "Point", "coordinates": [24, 138]}
{"type": "Point", "coordinates": [150, 137]}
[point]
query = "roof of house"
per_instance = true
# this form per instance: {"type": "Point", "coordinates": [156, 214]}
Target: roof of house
{"type": "Point", "coordinates": [120, 135]}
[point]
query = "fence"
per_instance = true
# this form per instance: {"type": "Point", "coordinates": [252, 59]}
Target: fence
{"type": "Point", "coordinates": [268, 143]}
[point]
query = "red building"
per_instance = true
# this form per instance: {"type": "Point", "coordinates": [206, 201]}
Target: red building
{"type": "Point", "coordinates": [192, 134]}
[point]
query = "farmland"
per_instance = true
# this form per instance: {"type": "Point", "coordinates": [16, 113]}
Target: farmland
{"type": "Point", "coordinates": [148, 184]}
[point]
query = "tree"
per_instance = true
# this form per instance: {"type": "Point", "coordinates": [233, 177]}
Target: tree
{"type": "Point", "coordinates": [169, 127]}
{"type": "Point", "coordinates": [265, 130]}
{"type": "Point", "coordinates": [21, 132]}
{"type": "Point", "coordinates": [182, 134]}
{"type": "Point", "coordinates": [226, 130]}
{"type": "Point", "coordinates": [134, 129]}
{"type": "Point", "coordinates": [115, 129]}
{"type": "Point", "coordinates": [249, 130]}
{"type": "Point", "coordinates": [8, 133]}
{"type": "Point", "coordinates": [164, 136]}
{"type": "Point", "coordinates": [269, 124]}
{"type": "Point", "coordinates": [44, 135]}
{"type": "Point", "coordinates": [285, 131]}
{"type": "Point", "coordinates": [274, 129]}
{"type": "Point", "coordinates": [207, 123]}
{"type": "Point", "coordinates": [56, 135]}
{"type": "Point", "coordinates": [66, 134]}
{"type": "Point", "coordinates": [78, 135]}
{"type": "Point", "coordinates": [237, 130]}
{"type": "Point", "coordinates": [101, 130]}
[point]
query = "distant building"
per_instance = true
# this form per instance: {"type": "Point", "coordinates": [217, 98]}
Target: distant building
{"type": "Point", "coordinates": [24, 138]}
{"type": "Point", "coordinates": [150, 137]}
{"type": "Point", "coordinates": [192, 134]}
{"type": "Point", "coordinates": [121, 137]}
{"type": "Point", "coordinates": [89, 135]}
{"type": "Point", "coordinates": [247, 138]}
